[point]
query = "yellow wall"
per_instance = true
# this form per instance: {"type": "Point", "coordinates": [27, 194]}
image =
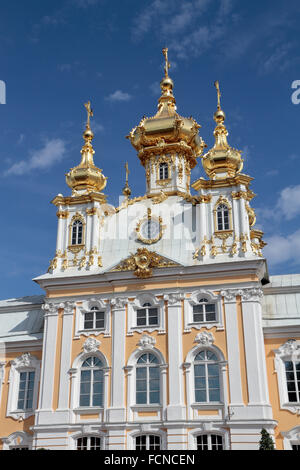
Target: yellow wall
{"type": "Point", "coordinates": [286, 419]}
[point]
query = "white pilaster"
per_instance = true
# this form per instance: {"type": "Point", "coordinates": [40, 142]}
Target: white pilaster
{"type": "Point", "coordinates": [176, 408]}
{"type": "Point", "coordinates": [47, 372]}
{"type": "Point", "coordinates": [65, 362]}
{"type": "Point", "coordinates": [255, 353]}
{"type": "Point", "coordinates": [117, 410]}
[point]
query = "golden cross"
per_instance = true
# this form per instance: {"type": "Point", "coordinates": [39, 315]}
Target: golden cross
{"type": "Point", "coordinates": [167, 64]}
{"type": "Point", "coordinates": [218, 93]}
{"type": "Point", "coordinates": [127, 171]}
{"type": "Point", "coordinates": [89, 112]}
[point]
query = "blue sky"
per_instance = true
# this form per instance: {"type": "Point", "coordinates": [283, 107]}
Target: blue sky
{"type": "Point", "coordinates": [56, 55]}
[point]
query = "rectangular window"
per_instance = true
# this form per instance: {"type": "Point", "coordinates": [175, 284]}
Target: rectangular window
{"type": "Point", "coordinates": [147, 317]}
{"type": "Point", "coordinates": [26, 386]}
{"type": "Point", "coordinates": [94, 320]}
{"type": "Point", "coordinates": [292, 371]}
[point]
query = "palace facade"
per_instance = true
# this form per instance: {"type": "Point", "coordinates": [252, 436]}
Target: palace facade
{"type": "Point", "coordinates": [160, 327]}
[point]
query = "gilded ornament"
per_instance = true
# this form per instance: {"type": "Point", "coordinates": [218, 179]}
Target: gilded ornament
{"type": "Point", "coordinates": [142, 263]}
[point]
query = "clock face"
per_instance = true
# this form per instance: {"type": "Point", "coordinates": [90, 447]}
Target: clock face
{"type": "Point", "coordinates": [150, 229]}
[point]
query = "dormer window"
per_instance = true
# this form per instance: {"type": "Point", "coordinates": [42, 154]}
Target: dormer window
{"type": "Point", "coordinates": [163, 171]}
{"type": "Point", "coordinates": [77, 232]}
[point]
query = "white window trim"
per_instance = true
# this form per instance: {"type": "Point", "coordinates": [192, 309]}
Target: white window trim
{"type": "Point", "coordinates": [192, 405]}
{"type": "Point", "coordinates": [137, 304]}
{"type": "Point", "coordinates": [86, 308]}
{"type": "Point", "coordinates": [289, 351]}
{"type": "Point", "coordinates": [134, 408]}
{"type": "Point", "coordinates": [146, 429]}
{"type": "Point", "coordinates": [194, 299]}
{"type": "Point", "coordinates": [75, 382]}
{"type": "Point", "coordinates": [87, 431]}
{"type": "Point", "coordinates": [24, 363]}
{"type": "Point", "coordinates": [291, 437]}
{"type": "Point", "coordinates": [17, 439]}
{"type": "Point", "coordinates": [2, 375]}
{"type": "Point", "coordinates": [208, 428]}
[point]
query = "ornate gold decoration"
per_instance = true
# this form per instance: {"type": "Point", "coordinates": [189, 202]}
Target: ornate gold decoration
{"type": "Point", "coordinates": [86, 176]}
{"type": "Point", "coordinates": [251, 215]}
{"type": "Point", "coordinates": [145, 219]}
{"type": "Point", "coordinates": [256, 241]}
{"type": "Point", "coordinates": [213, 248]}
{"type": "Point", "coordinates": [100, 262]}
{"type": "Point", "coordinates": [234, 247]}
{"type": "Point", "coordinates": [227, 182]}
{"type": "Point", "coordinates": [82, 262]}
{"type": "Point", "coordinates": [243, 239]}
{"type": "Point", "coordinates": [223, 235]}
{"type": "Point", "coordinates": [222, 160]}
{"type": "Point", "coordinates": [167, 132]}
{"type": "Point", "coordinates": [247, 195]}
{"type": "Point", "coordinates": [92, 211]}
{"type": "Point", "coordinates": [62, 214]}
{"type": "Point", "coordinates": [142, 263]}
{"type": "Point", "coordinates": [160, 198]}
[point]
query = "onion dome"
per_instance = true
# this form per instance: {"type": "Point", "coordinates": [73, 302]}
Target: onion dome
{"type": "Point", "coordinates": [222, 160]}
{"type": "Point", "coordinates": [86, 176]}
{"type": "Point", "coordinates": [167, 131]}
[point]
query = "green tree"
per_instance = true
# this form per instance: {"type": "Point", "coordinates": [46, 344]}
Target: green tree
{"type": "Point", "coordinates": [266, 442]}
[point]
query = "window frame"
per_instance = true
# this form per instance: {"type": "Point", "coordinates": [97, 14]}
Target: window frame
{"type": "Point", "coordinates": [75, 374]}
{"type": "Point", "coordinates": [24, 363]}
{"type": "Point", "coordinates": [91, 392]}
{"type": "Point", "coordinates": [287, 352]}
{"type": "Point", "coordinates": [89, 437]}
{"type": "Point", "coordinates": [102, 305]}
{"type": "Point", "coordinates": [148, 367]}
{"type": "Point", "coordinates": [147, 436]}
{"type": "Point", "coordinates": [191, 300]}
{"type": "Point", "coordinates": [163, 171]}
{"type": "Point", "coordinates": [137, 304]}
{"type": "Point", "coordinates": [209, 439]}
{"type": "Point", "coordinates": [222, 201]}
{"type": "Point", "coordinates": [76, 247]}
{"type": "Point", "coordinates": [206, 363]}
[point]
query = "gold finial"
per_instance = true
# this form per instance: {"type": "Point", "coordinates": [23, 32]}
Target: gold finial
{"type": "Point", "coordinates": [167, 63]}
{"type": "Point", "coordinates": [89, 112]}
{"type": "Point", "coordinates": [126, 189]}
{"type": "Point", "coordinates": [218, 93]}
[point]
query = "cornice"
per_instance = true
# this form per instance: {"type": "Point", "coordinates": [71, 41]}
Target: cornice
{"type": "Point", "coordinates": [222, 182]}
{"type": "Point", "coordinates": [80, 199]}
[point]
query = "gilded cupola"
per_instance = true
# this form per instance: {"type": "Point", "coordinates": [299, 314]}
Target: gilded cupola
{"type": "Point", "coordinates": [86, 176]}
{"type": "Point", "coordinates": [221, 160]}
{"type": "Point", "coordinates": [167, 131]}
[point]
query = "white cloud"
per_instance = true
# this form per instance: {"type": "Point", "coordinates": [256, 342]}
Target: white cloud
{"type": "Point", "coordinates": [119, 95]}
{"type": "Point", "coordinates": [51, 153]}
{"type": "Point", "coordinates": [289, 202]}
{"type": "Point", "coordinates": [282, 249]}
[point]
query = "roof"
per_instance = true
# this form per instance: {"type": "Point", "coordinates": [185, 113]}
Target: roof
{"type": "Point", "coordinates": [281, 301]}
{"type": "Point", "coordinates": [21, 319]}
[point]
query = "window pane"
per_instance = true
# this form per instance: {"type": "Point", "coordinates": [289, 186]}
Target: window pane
{"type": "Point", "coordinates": [154, 397]}
{"type": "Point", "coordinates": [214, 395]}
{"type": "Point", "coordinates": [198, 317]}
{"type": "Point", "coordinates": [141, 398]}
{"type": "Point", "coordinates": [141, 372]}
{"type": "Point", "coordinates": [100, 320]}
{"type": "Point", "coordinates": [200, 396]}
{"type": "Point", "coordinates": [140, 443]}
{"type": "Point", "coordinates": [84, 400]}
{"type": "Point", "coordinates": [288, 365]}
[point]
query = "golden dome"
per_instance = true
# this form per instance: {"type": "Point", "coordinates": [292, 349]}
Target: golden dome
{"type": "Point", "coordinates": [167, 131]}
{"type": "Point", "coordinates": [222, 160]}
{"type": "Point", "coordinates": [86, 176]}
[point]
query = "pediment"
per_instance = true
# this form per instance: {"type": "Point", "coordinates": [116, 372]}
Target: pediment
{"type": "Point", "coordinates": [142, 262]}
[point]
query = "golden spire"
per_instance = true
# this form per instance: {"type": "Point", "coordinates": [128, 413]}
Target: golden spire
{"type": "Point", "coordinates": [222, 160]}
{"type": "Point", "coordinates": [86, 176]}
{"type": "Point", "coordinates": [126, 190]}
{"type": "Point", "coordinates": [167, 63]}
{"type": "Point", "coordinates": [166, 103]}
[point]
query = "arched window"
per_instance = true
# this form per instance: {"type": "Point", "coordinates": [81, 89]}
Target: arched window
{"type": "Point", "coordinates": [147, 442]}
{"type": "Point", "coordinates": [222, 217]}
{"type": "Point", "coordinates": [147, 380]}
{"type": "Point", "coordinates": [209, 442]}
{"type": "Point", "coordinates": [89, 443]}
{"type": "Point", "coordinates": [77, 232]}
{"type": "Point", "coordinates": [207, 377]}
{"type": "Point", "coordinates": [204, 311]}
{"type": "Point", "coordinates": [147, 316]}
{"type": "Point", "coordinates": [91, 382]}
{"type": "Point", "coordinates": [94, 319]}
{"type": "Point", "coordinates": [163, 171]}
{"type": "Point", "coordinates": [26, 387]}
